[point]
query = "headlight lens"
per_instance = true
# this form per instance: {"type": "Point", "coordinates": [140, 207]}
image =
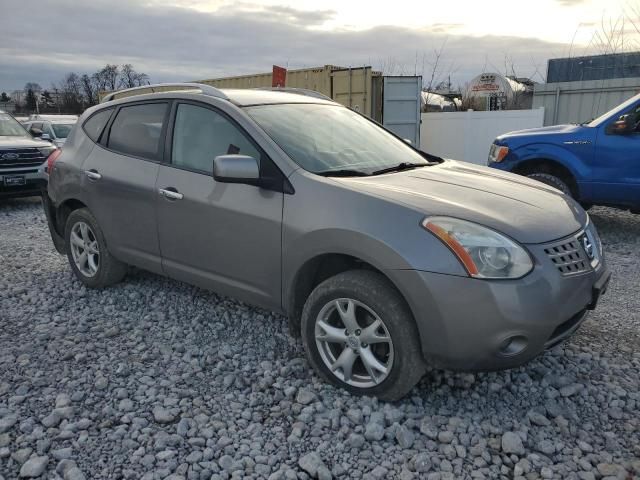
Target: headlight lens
{"type": "Point", "coordinates": [483, 252]}
{"type": "Point", "coordinates": [497, 153]}
{"type": "Point", "coordinates": [46, 151]}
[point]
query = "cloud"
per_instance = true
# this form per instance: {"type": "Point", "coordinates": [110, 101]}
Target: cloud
{"type": "Point", "coordinates": [47, 38]}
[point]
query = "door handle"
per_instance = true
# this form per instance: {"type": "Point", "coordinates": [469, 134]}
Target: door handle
{"type": "Point", "coordinates": [92, 175]}
{"type": "Point", "coordinates": [170, 193]}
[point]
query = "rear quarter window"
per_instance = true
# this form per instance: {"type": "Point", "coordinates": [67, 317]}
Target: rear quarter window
{"type": "Point", "coordinates": [94, 125]}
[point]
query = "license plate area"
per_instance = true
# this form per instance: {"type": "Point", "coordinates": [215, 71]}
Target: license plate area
{"type": "Point", "coordinates": [14, 180]}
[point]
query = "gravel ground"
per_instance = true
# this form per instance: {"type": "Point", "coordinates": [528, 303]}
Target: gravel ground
{"type": "Point", "coordinates": [156, 379]}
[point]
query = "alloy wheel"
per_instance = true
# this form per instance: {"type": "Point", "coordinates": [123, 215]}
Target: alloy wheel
{"type": "Point", "coordinates": [85, 249]}
{"type": "Point", "coordinates": [354, 343]}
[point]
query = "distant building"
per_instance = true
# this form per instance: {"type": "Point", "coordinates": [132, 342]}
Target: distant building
{"type": "Point", "coordinates": [594, 67]}
{"type": "Point", "coordinates": [492, 91]}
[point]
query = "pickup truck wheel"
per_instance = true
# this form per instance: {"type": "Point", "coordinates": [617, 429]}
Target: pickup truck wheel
{"type": "Point", "coordinates": [87, 251]}
{"type": "Point", "coordinates": [552, 181]}
{"type": "Point", "coordinates": [359, 334]}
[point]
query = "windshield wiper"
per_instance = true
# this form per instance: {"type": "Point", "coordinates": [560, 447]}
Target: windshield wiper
{"type": "Point", "coordinates": [400, 167]}
{"type": "Point", "coordinates": [345, 172]}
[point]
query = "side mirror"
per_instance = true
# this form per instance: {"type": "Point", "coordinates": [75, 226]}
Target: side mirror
{"type": "Point", "coordinates": [36, 132]}
{"type": "Point", "coordinates": [406, 140]}
{"type": "Point", "coordinates": [45, 136]}
{"type": "Point", "coordinates": [236, 169]}
{"type": "Point", "coordinates": [623, 126]}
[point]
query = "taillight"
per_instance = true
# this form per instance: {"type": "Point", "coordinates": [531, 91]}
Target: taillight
{"type": "Point", "coordinates": [51, 160]}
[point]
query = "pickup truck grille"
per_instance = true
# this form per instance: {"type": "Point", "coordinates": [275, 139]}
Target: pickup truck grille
{"type": "Point", "coordinates": [21, 157]}
{"type": "Point", "coordinates": [568, 257]}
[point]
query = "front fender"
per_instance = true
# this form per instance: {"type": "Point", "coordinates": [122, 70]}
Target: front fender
{"type": "Point", "coordinates": [569, 156]}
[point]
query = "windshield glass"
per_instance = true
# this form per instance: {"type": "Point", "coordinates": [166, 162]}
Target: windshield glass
{"type": "Point", "coordinates": [9, 127]}
{"type": "Point", "coordinates": [620, 108]}
{"type": "Point", "coordinates": [326, 138]}
{"type": "Point", "coordinates": [61, 130]}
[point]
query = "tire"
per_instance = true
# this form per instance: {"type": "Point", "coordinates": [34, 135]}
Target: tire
{"type": "Point", "coordinates": [99, 269]}
{"type": "Point", "coordinates": [552, 181]}
{"type": "Point", "coordinates": [372, 296]}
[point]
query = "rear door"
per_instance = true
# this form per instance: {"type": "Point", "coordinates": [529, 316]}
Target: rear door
{"type": "Point", "coordinates": [120, 176]}
{"type": "Point", "coordinates": [616, 168]}
{"type": "Point", "coordinates": [222, 236]}
{"type": "Point", "coordinates": [401, 107]}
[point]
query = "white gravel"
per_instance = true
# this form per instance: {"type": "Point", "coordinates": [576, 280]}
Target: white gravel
{"type": "Point", "coordinates": [156, 379]}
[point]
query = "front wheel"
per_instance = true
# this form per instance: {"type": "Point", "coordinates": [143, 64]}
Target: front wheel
{"type": "Point", "coordinates": [552, 181]}
{"type": "Point", "coordinates": [87, 251]}
{"type": "Point", "coordinates": [359, 334]}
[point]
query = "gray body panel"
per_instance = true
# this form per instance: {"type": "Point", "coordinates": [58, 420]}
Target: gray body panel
{"type": "Point", "coordinates": [225, 237]}
{"type": "Point", "coordinates": [252, 242]}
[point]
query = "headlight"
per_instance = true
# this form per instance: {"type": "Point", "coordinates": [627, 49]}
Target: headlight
{"type": "Point", "coordinates": [46, 151]}
{"type": "Point", "coordinates": [497, 153]}
{"type": "Point", "coordinates": [483, 252]}
{"type": "Point", "coordinates": [593, 246]}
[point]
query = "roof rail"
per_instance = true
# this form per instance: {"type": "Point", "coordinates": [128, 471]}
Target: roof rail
{"type": "Point", "coordinates": [166, 87]}
{"type": "Point", "coordinates": [299, 91]}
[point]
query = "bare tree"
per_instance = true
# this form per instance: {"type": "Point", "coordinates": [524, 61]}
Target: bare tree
{"type": "Point", "coordinates": [130, 78]}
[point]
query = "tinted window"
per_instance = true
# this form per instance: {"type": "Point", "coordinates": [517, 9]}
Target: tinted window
{"type": "Point", "coordinates": [200, 135]}
{"type": "Point", "coordinates": [94, 126]}
{"type": "Point", "coordinates": [136, 130]}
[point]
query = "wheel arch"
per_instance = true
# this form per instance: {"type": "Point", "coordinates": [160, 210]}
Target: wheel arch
{"type": "Point", "coordinates": [317, 269]}
{"type": "Point", "coordinates": [552, 167]}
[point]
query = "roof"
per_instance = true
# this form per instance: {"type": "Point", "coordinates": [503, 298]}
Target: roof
{"type": "Point", "coordinates": [257, 96]}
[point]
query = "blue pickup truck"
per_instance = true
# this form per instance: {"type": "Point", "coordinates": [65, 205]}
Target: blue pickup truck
{"type": "Point", "coordinates": [598, 162]}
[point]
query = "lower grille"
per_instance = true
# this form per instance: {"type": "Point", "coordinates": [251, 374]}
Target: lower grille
{"type": "Point", "coordinates": [21, 157]}
{"type": "Point", "coordinates": [568, 257]}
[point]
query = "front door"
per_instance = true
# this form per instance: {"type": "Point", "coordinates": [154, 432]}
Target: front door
{"type": "Point", "coordinates": [221, 236]}
{"type": "Point", "coordinates": [616, 172]}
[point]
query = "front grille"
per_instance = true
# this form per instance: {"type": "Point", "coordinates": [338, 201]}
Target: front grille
{"type": "Point", "coordinates": [25, 157]}
{"type": "Point", "coordinates": [568, 257]}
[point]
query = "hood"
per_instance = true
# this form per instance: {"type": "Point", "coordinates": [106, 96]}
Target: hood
{"type": "Point", "coordinates": [22, 142]}
{"type": "Point", "coordinates": [526, 210]}
{"type": "Point", "coordinates": [554, 130]}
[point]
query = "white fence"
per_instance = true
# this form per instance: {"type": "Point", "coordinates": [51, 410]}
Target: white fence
{"type": "Point", "coordinates": [468, 135]}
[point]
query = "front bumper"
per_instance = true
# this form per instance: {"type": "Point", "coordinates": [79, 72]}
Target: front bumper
{"type": "Point", "coordinates": [466, 323]}
{"type": "Point", "coordinates": [35, 180]}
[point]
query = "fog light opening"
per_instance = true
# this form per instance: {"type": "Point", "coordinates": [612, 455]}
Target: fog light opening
{"type": "Point", "coordinates": [513, 345]}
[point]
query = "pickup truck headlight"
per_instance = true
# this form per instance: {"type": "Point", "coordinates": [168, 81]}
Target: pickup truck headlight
{"type": "Point", "coordinates": [46, 151]}
{"type": "Point", "coordinates": [483, 252]}
{"type": "Point", "coordinates": [497, 153]}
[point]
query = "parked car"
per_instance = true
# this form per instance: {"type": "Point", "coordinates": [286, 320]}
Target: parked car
{"type": "Point", "coordinates": [22, 159]}
{"type": "Point", "coordinates": [385, 259]}
{"type": "Point", "coordinates": [597, 162]}
{"type": "Point", "coordinates": [54, 128]}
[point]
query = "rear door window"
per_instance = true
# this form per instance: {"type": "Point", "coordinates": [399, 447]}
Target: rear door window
{"type": "Point", "coordinates": [95, 124]}
{"type": "Point", "coordinates": [137, 130]}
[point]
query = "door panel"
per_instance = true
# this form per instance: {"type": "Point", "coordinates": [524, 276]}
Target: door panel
{"type": "Point", "coordinates": [123, 201]}
{"type": "Point", "coordinates": [616, 172]}
{"type": "Point", "coordinates": [224, 237]}
{"type": "Point", "coordinates": [401, 107]}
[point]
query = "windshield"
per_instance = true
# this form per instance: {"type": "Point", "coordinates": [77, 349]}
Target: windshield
{"type": "Point", "coordinates": [620, 108]}
{"type": "Point", "coordinates": [328, 138]}
{"type": "Point", "coordinates": [9, 127]}
{"type": "Point", "coordinates": [61, 130]}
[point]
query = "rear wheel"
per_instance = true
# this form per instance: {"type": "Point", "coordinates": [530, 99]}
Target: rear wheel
{"type": "Point", "coordinates": [359, 334]}
{"type": "Point", "coordinates": [87, 251]}
{"type": "Point", "coordinates": [553, 181]}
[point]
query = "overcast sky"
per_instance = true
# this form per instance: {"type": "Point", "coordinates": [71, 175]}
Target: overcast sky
{"type": "Point", "coordinates": [172, 40]}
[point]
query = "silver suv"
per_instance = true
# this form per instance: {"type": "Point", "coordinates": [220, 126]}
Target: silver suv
{"type": "Point", "coordinates": [22, 159]}
{"type": "Point", "coordinates": [384, 258]}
